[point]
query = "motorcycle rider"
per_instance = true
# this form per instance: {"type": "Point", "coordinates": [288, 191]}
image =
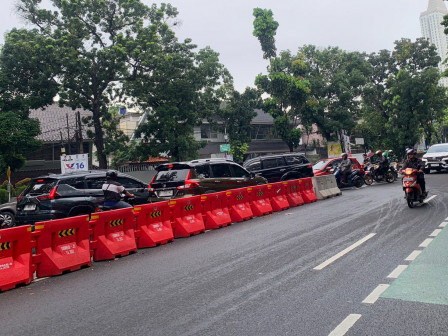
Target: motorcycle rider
{"type": "Point", "coordinates": [346, 167]}
{"type": "Point", "coordinates": [415, 163]}
{"type": "Point", "coordinates": [382, 162]}
{"type": "Point", "coordinates": [112, 192]}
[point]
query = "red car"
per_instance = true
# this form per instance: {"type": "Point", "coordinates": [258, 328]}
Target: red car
{"type": "Point", "coordinates": [327, 166]}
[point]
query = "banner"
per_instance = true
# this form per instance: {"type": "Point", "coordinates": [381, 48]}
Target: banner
{"type": "Point", "coordinates": [334, 149]}
{"type": "Point", "coordinates": [70, 163]}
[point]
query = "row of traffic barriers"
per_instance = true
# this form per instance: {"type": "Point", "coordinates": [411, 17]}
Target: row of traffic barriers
{"type": "Point", "coordinates": [65, 245]}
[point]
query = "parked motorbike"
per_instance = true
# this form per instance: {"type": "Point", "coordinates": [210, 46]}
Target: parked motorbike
{"type": "Point", "coordinates": [413, 191]}
{"type": "Point", "coordinates": [372, 175]}
{"type": "Point", "coordinates": [355, 179]}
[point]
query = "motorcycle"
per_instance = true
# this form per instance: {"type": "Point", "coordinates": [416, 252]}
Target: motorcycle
{"type": "Point", "coordinates": [355, 179]}
{"type": "Point", "coordinates": [372, 175]}
{"type": "Point", "coordinates": [413, 191]}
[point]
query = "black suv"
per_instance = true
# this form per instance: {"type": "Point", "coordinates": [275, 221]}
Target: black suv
{"type": "Point", "coordinates": [280, 167]}
{"type": "Point", "coordinates": [66, 195]}
{"type": "Point", "coordinates": [182, 179]}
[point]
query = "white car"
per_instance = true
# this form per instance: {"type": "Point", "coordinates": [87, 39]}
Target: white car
{"type": "Point", "coordinates": [436, 158]}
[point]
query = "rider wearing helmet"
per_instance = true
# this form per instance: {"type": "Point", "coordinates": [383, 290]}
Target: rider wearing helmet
{"type": "Point", "coordinates": [346, 167]}
{"type": "Point", "coordinates": [382, 162]}
{"type": "Point", "coordinates": [415, 163]}
{"type": "Point", "coordinates": [112, 192]}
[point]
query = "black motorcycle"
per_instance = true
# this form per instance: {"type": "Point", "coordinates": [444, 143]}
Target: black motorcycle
{"type": "Point", "coordinates": [355, 179]}
{"type": "Point", "coordinates": [373, 175]}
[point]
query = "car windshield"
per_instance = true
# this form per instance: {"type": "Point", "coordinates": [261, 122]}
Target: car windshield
{"type": "Point", "coordinates": [438, 149]}
{"type": "Point", "coordinates": [172, 175]}
{"type": "Point", "coordinates": [319, 165]}
{"type": "Point", "coordinates": [40, 186]}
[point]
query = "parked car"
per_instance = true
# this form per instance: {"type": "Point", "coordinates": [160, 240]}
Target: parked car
{"type": "Point", "coordinates": [182, 179]}
{"type": "Point", "coordinates": [436, 158]}
{"type": "Point", "coordinates": [328, 166]}
{"type": "Point", "coordinates": [66, 195]}
{"type": "Point", "coordinates": [280, 167]}
{"type": "Point", "coordinates": [7, 215]}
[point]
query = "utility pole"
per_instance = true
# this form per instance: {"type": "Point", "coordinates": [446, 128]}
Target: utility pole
{"type": "Point", "coordinates": [81, 145]}
{"type": "Point", "coordinates": [68, 137]}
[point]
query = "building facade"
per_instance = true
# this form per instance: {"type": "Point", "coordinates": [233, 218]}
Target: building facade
{"type": "Point", "coordinates": [430, 24]}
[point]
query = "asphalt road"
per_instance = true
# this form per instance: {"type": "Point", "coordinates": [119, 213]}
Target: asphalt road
{"type": "Point", "coordinates": [330, 267]}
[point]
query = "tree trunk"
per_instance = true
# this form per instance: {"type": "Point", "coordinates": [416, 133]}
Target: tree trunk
{"type": "Point", "coordinates": [99, 141]}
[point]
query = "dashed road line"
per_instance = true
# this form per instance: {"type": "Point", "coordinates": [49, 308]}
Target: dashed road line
{"type": "Point", "coordinates": [428, 199]}
{"type": "Point", "coordinates": [426, 242]}
{"type": "Point", "coordinates": [372, 297]}
{"type": "Point", "coordinates": [413, 255]}
{"type": "Point", "coordinates": [345, 325]}
{"type": "Point", "coordinates": [344, 252]}
{"type": "Point", "coordinates": [443, 224]}
{"type": "Point", "coordinates": [397, 271]}
{"type": "Point", "coordinates": [435, 233]}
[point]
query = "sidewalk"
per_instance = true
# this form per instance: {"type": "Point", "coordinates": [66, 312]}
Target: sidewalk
{"type": "Point", "coordinates": [426, 278]}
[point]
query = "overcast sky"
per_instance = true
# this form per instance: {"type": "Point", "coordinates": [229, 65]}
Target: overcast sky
{"type": "Point", "coordinates": [226, 26]}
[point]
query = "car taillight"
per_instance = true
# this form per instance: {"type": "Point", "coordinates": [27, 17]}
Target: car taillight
{"type": "Point", "coordinates": [52, 195]}
{"type": "Point", "coordinates": [19, 199]}
{"type": "Point", "coordinates": [189, 184]}
{"type": "Point", "coordinates": [149, 185]}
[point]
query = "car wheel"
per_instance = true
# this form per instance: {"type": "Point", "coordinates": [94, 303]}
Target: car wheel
{"type": "Point", "coordinates": [8, 219]}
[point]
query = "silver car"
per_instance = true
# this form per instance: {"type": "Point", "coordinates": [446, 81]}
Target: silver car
{"type": "Point", "coordinates": [7, 215]}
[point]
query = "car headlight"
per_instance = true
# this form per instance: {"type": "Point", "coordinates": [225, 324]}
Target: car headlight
{"type": "Point", "coordinates": [424, 160]}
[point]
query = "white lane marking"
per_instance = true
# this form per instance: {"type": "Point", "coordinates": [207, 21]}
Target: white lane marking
{"type": "Point", "coordinates": [40, 279]}
{"type": "Point", "coordinates": [435, 232]}
{"type": "Point", "coordinates": [375, 294]}
{"type": "Point", "coordinates": [345, 325]}
{"type": "Point", "coordinates": [342, 253]}
{"type": "Point", "coordinates": [397, 271]}
{"type": "Point", "coordinates": [446, 219]}
{"type": "Point", "coordinates": [428, 199]}
{"type": "Point", "coordinates": [426, 242]}
{"type": "Point", "coordinates": [443, 224]}
{"type": "Point", "coordinates": [413, 255]}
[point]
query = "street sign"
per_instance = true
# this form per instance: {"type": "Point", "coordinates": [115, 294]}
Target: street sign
{"type": "Point", "coordinates": [70, 163]}
{"type": "Point", "coordinates": [224, 148]}
{"type": "Point", "coordinates": [359, 141]}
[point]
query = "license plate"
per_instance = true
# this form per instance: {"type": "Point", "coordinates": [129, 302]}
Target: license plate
{"type": "Point", "coordinates": [165, 193]}
{"type": "Point", "coordinates": [408, 179]}
{"type": "Point", "coordinates": [29, 207]}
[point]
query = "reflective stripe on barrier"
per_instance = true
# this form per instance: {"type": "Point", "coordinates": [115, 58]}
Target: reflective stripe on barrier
{"type": "Point", "coordinates": [15, 257]}
{"type": "Point", "coordinates": [306, 190]}
{"type": "Point", "coordinates": [294, 196]}
{"type": "Point", "coordinates": [186, 216]}
{"type": "Point", "coordinates": [62, 245]}
{"type": "Point", "coordinates": [113, 234]}
{"type": "Point", "coordinates": [320, 187]}
{"type": "Point", "coordinates": [259, 200]}
{"type": "Point", "coordinates": [215, 210]}
{"type": "Point", "coordinates": [153, 226]}
{"type": "Point", "coordinates": [239, 205]}
{"type": "Point", "coordinates": [277, 196]}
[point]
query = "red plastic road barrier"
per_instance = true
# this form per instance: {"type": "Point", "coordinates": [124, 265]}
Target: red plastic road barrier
{"type": "Point", "coordinates": [294, 197]}
{"type": "Point", "coordinates": [259, 200]}
{"type": "Point", "coordinates": [186, 216]}
{"type": "Point", "coordinates": [113, 234]}
{"type": "Point", "coordinates": [239, 205]}
{"type": "Point", "coordinates": [153, 224]}
{"type": "Point", "coordinates": [15, 257]}
{"type": "Point", "coordinates": [306, 190]}
{"type": "Point", "coordinates": [62, 245]}
{"type": "Point", "coordinates": [215, 211]}
{"type": "Point", "coordinates": [277, 196]}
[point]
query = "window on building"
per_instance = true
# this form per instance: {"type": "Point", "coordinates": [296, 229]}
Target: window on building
{"type": "Point", "coordinates": [262, 132]}
{"type": "Point", "coordinates": [207, 132]}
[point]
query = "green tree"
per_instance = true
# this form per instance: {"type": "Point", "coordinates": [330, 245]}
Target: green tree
{"type": "Point", "coordinates": [237, 114]}
{"type": "Point", "coordinates": [265, 29]}
{"type": "Point", "coordinates": [336, 80]}
{"type": "Point", "coordinates": [180, 89]}
{"type": "Point", "coordinates": [96, 48]}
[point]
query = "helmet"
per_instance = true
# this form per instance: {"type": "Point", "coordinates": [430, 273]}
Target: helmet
{"type": "Point", "coordinates": [378, 152]}
{"type": "Point", "coordinates": [344, 156]}
{"type": "Point", "coordinates": [111, 174]}
{"type": "Point", "coordinates": [410, 151]}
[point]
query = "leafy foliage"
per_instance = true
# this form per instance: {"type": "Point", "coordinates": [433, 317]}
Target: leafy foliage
{"type": "Point", "coordinates": [265, 28]}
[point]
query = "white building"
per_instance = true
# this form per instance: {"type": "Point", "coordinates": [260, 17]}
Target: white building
{"type": "Point", "coordinates": [430, 23]}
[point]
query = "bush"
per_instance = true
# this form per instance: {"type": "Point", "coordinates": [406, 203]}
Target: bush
{"type": "Point", "coordinates": [4, 185]}
{"type": "Point", "coordinates": [3, 196]}
{"type": "Point", "coordinates": [18, 190]}
{"type": "Point", "coordinates": [24, 182]}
